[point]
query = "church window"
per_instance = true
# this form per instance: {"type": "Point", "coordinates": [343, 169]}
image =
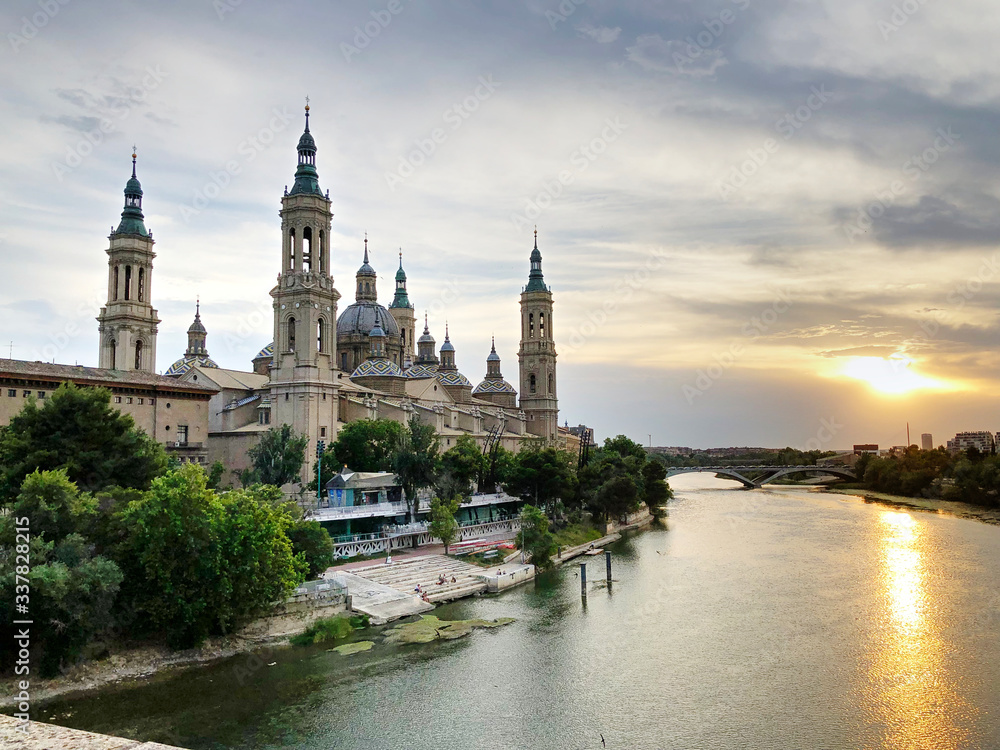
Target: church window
{"type": "Point", "coordinates": [343, 360]}
{"type": "Point", "coordinates": [291, 334]}
{"type": "Point", "coordinates": [531, 383]}
{"type": "Point", "coordinates": [114, 293]}
{"type": "Point", "coordinates": [291, 249]}
{"type": "Point", "coordinates": [138, 355]}
{"type": "Point", "coordinates": [360, 288]}
{"type": "Point", "coordinates": [541, 325]}
{"type": "Point", "coordinates": [114, 355]}
{"type": "Point", "coordinates": [322, 432]}
{"type": "Point", "coordinates": [322, 251]}
{"type": "Point", "coordinates": [142, 284]}
{"type": "Point", "coordinates": [367, 288]}
{"type": "Point", "coordinates": [128, 282]}
{"type": "Point", "coordinates": [531, 325]}
{"type": "Point", "coordinates": [550, 383]}
{"type": "Point", "coordinates": [319, 335]}
{"type": "Point", "coordinates": [307, 249]}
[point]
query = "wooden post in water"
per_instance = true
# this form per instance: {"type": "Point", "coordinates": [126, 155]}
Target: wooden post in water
{"type": "Point", "coordinates": [607, 557]}
{"type": "Point", "coordinates": [583, 579]}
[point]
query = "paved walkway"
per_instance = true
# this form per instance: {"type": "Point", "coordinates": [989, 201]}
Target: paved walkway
{"type": "Point", "coordinates": [380, 602]}
{"type": "Point", "coordinates": [425, 571]}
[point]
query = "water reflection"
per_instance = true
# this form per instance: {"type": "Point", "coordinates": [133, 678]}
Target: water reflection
{"type": "Point", "coordinates": [915, 696]}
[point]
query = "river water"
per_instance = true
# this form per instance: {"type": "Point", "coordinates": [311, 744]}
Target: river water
{"type": "Point", "coordinates": [765, 619]}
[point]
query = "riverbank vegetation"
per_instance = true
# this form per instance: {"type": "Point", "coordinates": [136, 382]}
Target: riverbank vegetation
{"type": "Point", "coordinates": [330, 629]}
{"type": "Point", "coordinates": [970, 477]}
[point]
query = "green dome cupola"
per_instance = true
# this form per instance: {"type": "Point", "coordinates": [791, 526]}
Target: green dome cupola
{"type": "Point", "coordinates": [536, 281]}
{"type": "Point", "coordinates": [132, 219]}
{"type": "Point", "coordinates": [401, 299]}
{"type": "Point", "coordinates": [306, 176]}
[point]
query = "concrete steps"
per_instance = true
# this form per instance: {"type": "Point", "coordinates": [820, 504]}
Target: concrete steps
{"type": "Point", "coordinates": [404, 577]}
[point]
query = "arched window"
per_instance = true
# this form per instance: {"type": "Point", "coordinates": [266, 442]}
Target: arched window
{"type": "Point", "coordinates": [360, 287]}
{"type": "Point", "coordinates": [142, 284]}
{"type": "Point", "coordinates": [367, 288]}
{"type": "Point", "coordinates": [319, 334]}
{"type": "Point", "coordinates": [550, 383]}
{"type": "Point", "coordinates": [138, 355]}
{"type": "Point", "coordinates": [114, 353]}
{"type": "Point", "coordinates": [343, 361]}
{"type": "Point", "coordinates": [128, 282]}
{"type": "Point", "coordinates": [541, 325]}
{"type": "Point", "coordinates": [531, 382]}
{"type": "Point", "coordinates": [291, 249]}
{"type": "Point", "coordinates": [402, 332]}
{"type": "Point", "coordinates": [307, 260]}
{"type": "Point", "coordinates": [531, 325]}
{"type": "Point", "coordinates": [322, 251]}
{"type": "Point", "coordinates": [291, 334]}
{"type": "Point", "coordinates": [114, 293]}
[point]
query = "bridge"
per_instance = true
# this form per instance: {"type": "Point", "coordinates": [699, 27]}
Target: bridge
{"type": "Point", "coordinates": [762, 474]}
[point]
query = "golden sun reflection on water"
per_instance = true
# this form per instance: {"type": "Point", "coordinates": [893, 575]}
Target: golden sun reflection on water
{"type": "Point", "coordinates": [916, 700]}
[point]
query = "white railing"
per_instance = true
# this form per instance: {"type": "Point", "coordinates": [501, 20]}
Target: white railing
{"type": "Point", "coordinates": [375, 546]}
{"type": "Point", "coordinates": [346, 512]}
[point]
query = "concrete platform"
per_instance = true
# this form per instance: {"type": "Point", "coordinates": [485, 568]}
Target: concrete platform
{"type": "Point", "coordinates": [41, 736]}
{"type": "Point", "coordinates": [426, 571]}
{"type": "Point", "coordinates": [380, 602]}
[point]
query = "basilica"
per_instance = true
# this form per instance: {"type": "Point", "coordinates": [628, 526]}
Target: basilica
{"type": "Point", "coordinates": [328, 365]}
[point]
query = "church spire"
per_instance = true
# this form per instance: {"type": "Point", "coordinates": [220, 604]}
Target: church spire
{"type": "Point", "coordinates": [536, 281]}
{"type": "Point", "coordinates": [401, 299]}
{"type": "Point", "coordinates": [132, 218]}
{"type": "Point", "coordinates": [197, 334]}
{"type": "Point", "coordinates": [366, 278]}
{"type": "Point", "coordinates": [306, 176]}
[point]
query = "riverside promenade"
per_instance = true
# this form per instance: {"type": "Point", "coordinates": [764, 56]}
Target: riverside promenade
{"type": "Point", "coordinates": [41, 736]}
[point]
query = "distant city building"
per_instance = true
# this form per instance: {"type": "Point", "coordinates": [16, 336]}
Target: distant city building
{"type": "Point", "coordinates": [982, 440]}
{"type": "Point", "coordinates": [581, 430]}
{"type": "Point", "coordinates": [927, 441]}
{"type": "Point", "coordinates": [866, 448]}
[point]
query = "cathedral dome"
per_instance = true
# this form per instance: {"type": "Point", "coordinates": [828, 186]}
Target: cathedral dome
{"type": "Point", "coordinates": [377, 367]}
{"type": "Point", "coordinates": [267, 352]}
{"type": "Point", "coordinates": [185, 363]}
{"type": "Point", "coordinates": [419, 372]}
{"type": "Point", "coordinates": [453, 377]}
{"type": "Point", "coordinates": [361, 317]}
{"type": "Point", "coordinates": [494, 386]}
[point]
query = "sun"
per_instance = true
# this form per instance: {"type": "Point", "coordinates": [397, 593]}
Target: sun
{"type": "Point", "coordinates": [891, 375]}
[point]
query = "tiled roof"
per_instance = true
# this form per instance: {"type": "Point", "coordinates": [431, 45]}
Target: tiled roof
{"type": "Point", "coordinates": [98, 376]}
{"type": "Point", "coordinates": [494, 386]}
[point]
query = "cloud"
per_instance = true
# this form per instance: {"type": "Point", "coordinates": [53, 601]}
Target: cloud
{"type": "Point", "coordinates": [653, 52]}
{"type": "Point", "coordinates": [600, 34]}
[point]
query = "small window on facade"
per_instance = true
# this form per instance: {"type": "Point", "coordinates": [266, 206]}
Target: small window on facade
{"type": "Point", "coordinates": [128, 400]}
{"type": "Point", "coordinates": [550, 383]}
{"type": "Point", "coordinates": [152, 402]}
{"type": "Point", "coordinates": [11, 392]}
{"type": "Point", "coordinates": [322, 432]}
{"type": "Point", "coordinates": [128, 282]}
{"type": "Point", "coordinates": [114, 292]}
{"type": "Point", "coordinates": [138, 355]}
{"type": "Point", "coordinates": [541, 325]}
{"type": "Point", "coordinates": [319, 335]}
{"type": "Point", "coordinates": [118, 399]}
{"type": "Point", "coordinates": [291, 334]}
{"type": "Point", "coordinates": [286, 397]}
{"type": "Point", "coordinates": [531, 325]}
{"type": "Point", "coordinates": [26, 394]}
{"type": "Point", "coordinates": [142, 284]}
{"type": "Point", "coordinates": [41, 394]}
{"type": "Point", "coordinates": [168, 404]}
{"type": "Point", "coordinates": [182, 434]}
{"type": "Point", "coordinates": [142, 401]}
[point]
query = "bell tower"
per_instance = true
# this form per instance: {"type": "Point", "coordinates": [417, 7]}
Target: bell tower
{"type": "Point", "coordinates": [537, 355]}
{"type": "Point", "coordinates": [401, 310]}
{"type": "Point", "coordinates": [303, 382]}
{"type": "Point", "coordinates": [127, 323]}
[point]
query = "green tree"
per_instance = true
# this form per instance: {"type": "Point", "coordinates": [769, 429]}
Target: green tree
{"type": "Point", "coordinates": [77, 430]}
{"type": "Point", "coordinates": [366, 445]}
{"type": "Point", "coordinates": [277, 459]}
{"type": "Point", "coordinates": [656, 492]}
{"type": "Point", "coordinates": [459, 467]}
{"type": "Point", "coordinates": [443, 525]}
{"type": "Point", "coordinates": [617, 496]}
{"type": "Point", "coordinates": [313, 543]}
{"type": "Point", "coordinates": [625, 447]}
{"type": "Point", "coordinates": [215, 475]}
{"type": "Point", "coordinates": [199, 563]}
{"type": "Point", "coordinates": [415, 461]}
{"type": "Point", "coordinates": [542, 475]}
{"type": "Point", "coordinates": [534, 538]}
{"type": "Point", "coordinates": [53, 504]}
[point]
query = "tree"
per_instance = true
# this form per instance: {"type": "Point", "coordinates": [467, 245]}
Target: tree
{"type": "Point", "coordinates": [366, 445]}
{"type": "Point", "coordinates": [277, 459]}
{"type": "Point", "coordinates": [624, 447]}
{"type": "Point", "coordinates": [443, 525]}
{"type": "Point", "coordinates": [655, 489]}
{"type": "Point", "coordinates": [415, 461]}
{"type": "Point", "coordinates": [200, 563]}
{"type": "Point", "coordinates": [313, 543]}
{"type": "Point", "coordinates": [77, 430]}
{"type": "Point", "coordinates": [534, 538]}
{"type": "Point", "coordinates": [542, 475]}
{"type": "Point", "coordinates": [215, 474]}
{"type": "Point", "coordinates": [617, 496]}
{"type": "Point", "coordinates": [460, 466]}
{"type": "Point", "coordinates": [53, 504]}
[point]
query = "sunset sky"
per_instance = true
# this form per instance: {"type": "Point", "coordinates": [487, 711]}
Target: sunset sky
{"type": "Point", "coordinates": [759, 218]}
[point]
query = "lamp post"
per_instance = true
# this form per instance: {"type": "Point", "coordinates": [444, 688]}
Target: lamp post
{"type": "Point", "coordinates": [320, 446]}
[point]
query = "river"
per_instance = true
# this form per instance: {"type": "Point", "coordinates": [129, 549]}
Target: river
{"type": "Point", "coordinates": [774, 618]}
